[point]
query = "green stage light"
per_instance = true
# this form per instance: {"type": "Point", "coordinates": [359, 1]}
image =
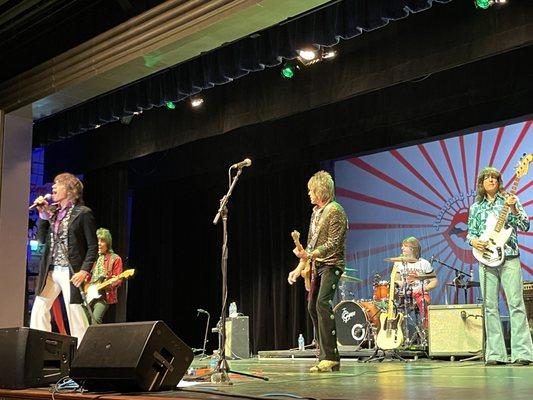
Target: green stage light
{"type": "Point", "coordinates": [170, 105]}
{"type": "Point", "coordinates": [288, 70]}
{"type": "Point", "coordinates": [484, 4]}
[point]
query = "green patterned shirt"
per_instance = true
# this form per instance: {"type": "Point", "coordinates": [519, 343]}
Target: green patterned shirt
{"type": "Point", "coordinates": [479, 212]}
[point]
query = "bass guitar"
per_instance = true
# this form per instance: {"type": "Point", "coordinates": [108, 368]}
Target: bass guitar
{"type": "Point", "coordinates": [93, 291]}
{"type": "Point", "coordinates": [495, 234]}
{"type": "Point", "coordinates": [390, 336]}
{"type": "Point", "coordinates": [304, 264]}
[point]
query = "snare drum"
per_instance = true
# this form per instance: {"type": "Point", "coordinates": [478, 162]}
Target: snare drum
{"type": "Point", "coordinates": [354, 321]}
{"type": "Point", "coordinates": [381, 291]}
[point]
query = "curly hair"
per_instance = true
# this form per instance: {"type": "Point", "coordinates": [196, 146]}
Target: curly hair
{"type": "Point", "coordinates": [321, 184]}
{"type": "Point", "coordinates": [481, 193]}
{"type": "Point", "coordinates": [73, 186]}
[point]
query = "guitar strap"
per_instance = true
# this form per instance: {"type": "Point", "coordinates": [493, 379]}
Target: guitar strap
{"type": "Point", "coordinates": [311, 245]}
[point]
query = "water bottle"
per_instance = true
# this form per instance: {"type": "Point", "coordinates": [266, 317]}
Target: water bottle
{"type": "Point", "coordinates": [301, 342]}
{"type": "Point", "coordinates": [214, 360]}
{"type": "Point", "coordinates": [233, 309]}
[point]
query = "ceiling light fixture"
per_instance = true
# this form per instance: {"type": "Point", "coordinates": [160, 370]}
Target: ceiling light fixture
{"type": "Point", "coordinates": [196, 101]}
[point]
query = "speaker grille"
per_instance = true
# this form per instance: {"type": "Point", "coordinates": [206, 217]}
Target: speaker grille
{"type": "Point", "coordinates": [455, 330]}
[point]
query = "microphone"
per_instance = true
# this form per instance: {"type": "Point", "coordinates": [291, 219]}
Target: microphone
{"type": "Point", "coordinates": [463, 315]}
{"type": "Point", "coordinates": [244, 163]}
{"type": "Point", "coordinates": [432, 259]}
{"type": "Point", "coordinates": [201, 311]}
{"type": "Point", "coordinates": [47, 196]}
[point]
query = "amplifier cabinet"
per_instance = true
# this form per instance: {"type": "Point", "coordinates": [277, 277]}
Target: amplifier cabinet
{"type": "Point", "coordinates": [455, 330]}
{"type": "Point", "coordinates": [237, 338]}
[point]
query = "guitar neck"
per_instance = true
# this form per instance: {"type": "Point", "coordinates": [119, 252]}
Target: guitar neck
{"type": "Point", "coordinates": [504, 213]}
{"type": "Point", "coordinates": [390, 308]}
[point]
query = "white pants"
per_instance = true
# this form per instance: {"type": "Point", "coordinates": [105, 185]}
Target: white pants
{"type": "Point", "coordinates": [58, 281]}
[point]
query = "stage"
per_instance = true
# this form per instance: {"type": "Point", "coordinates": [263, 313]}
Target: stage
{"type": "Point", "coordinates": [288, 378]}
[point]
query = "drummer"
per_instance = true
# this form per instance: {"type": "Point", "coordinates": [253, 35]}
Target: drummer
{"type": "Point", "coordinates": [410, 270]}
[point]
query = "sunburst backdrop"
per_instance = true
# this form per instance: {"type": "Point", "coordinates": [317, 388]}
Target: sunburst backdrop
{"type": "Point", "coordinates": [425, 191]}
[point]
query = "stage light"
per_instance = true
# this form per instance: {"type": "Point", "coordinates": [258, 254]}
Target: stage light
{"type": "Point", "coordinates": [307, 54]}
{"type": "Point", "coordinates": [328, 54]}
{"type": "Point", "coordinates": [34, 245]}
{"type": "Point", "coordinates": [196, 101]}
{"type": "Point", "coordinates": [288, 70]}
{"type": "Point", "coordinates": [484, 4]}
{"type": "Point", "coordinates": [170, 105]}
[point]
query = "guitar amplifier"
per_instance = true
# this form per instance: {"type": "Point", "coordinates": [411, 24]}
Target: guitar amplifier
{"type": "Point", "coordinates": [455, 330]}
{"type": "Point", "coordinates": [528, 301]}
{"type": "Point", "coordinates": [237, 338]}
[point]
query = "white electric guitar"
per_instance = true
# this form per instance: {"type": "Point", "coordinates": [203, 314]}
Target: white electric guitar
{"type": "Point", "coordinates": [390, 336]}
{"type": "Point", "coordinates": [495, 234]}
{"type": "Point", "coordinates": [93, 291]}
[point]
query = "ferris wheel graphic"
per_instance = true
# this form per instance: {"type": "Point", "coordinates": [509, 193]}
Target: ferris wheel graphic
{"type": "Point", "coordinates": [425, 190]}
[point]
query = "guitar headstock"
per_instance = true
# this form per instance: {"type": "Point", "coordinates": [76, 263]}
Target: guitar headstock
{"type": "Point", "coordinates": [523, 165]}
{"type": "Point", "coordinates": [128, 273]}
{"type": "Point", "coordinates": [296, 238]}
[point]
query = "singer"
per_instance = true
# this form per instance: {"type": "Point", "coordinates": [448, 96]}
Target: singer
{"type": "Point", "coordinates": [70, 251]}
{"type": "Point", "coordinates": [326, 243]}
{"type": "Point", "coordinates": [491, 199]}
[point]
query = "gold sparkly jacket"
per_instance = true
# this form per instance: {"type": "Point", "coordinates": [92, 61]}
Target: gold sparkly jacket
{"type": "Point", "coordinates": [331, 240]}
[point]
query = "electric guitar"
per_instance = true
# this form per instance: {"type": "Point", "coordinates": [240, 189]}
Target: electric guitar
{"type": "Point", "coordinates": [390, 336]}
{"type": "Point", "coordinates": [495, 234]}
{"type": "Point", "coordinates": [93, 290]}
{"type": "Point", "coordinates": [305, 264]}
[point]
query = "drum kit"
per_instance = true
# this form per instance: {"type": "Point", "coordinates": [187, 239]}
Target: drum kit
{"type": "Point", "coordinates": [358, 321]}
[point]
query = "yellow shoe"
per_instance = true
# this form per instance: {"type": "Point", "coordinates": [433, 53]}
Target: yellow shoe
{"type": "Point", "coordinates": [326, 366]}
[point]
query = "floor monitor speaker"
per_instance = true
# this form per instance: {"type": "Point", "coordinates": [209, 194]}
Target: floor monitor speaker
{"type": "Point", "coordinates": [32, 358]}
{"type": "Point", "coordinates": [135, 356]}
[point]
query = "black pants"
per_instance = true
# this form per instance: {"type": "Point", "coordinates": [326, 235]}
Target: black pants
{"type": "Point", "coordinates": [321, 312]}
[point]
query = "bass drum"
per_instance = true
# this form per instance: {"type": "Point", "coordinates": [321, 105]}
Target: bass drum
{"type": "Point", "coordinates": [354, 321]}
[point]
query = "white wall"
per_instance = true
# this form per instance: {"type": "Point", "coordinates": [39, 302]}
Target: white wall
{"type": "Point", "coordinates": [15, 187]}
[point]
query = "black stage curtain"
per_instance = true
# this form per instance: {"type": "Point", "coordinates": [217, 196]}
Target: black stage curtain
{"type": "Point", "coordinates": [177, 251]}
{"type": "Point", "coordinates": [106, 193]}
{"type": "Point", "coordinates": [343, 19]}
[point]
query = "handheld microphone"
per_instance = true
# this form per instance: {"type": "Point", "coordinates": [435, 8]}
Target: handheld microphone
{"type": "Point", "coordinates": [47, 197]}
{"type": "Point", "coordinates": [244, 163]}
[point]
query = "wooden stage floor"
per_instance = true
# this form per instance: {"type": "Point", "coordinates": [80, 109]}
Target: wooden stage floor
{"type": "Point", "coordinates": [289, 378]}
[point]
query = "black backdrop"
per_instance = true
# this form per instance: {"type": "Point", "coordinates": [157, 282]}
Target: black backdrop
{"type": "Point", "coordinates": [177, 250]}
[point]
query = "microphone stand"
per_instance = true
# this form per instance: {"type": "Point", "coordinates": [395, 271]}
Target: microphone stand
{"type": "Point", "coordinates": [458, 280]}
{"type": "Point", "coordinates": [202, 355]}
{"type": "Point", "coordinates": [220, 374]}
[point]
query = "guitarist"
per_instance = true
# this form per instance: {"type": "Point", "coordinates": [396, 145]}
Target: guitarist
{"type": "Point", "coordinates": [491, 198]}
{"type": "Point", "coordinates": [107, 265]}
{"type": "Point", "coordinates": [325, 249]}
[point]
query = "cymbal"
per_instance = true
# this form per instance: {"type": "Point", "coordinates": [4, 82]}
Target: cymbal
{"type": "Point", "coordinates": [350, 278]}
{"type": "Point", "coordinates": [401, 259]}
{"type": "Point", "coordinates": [422, 277]}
